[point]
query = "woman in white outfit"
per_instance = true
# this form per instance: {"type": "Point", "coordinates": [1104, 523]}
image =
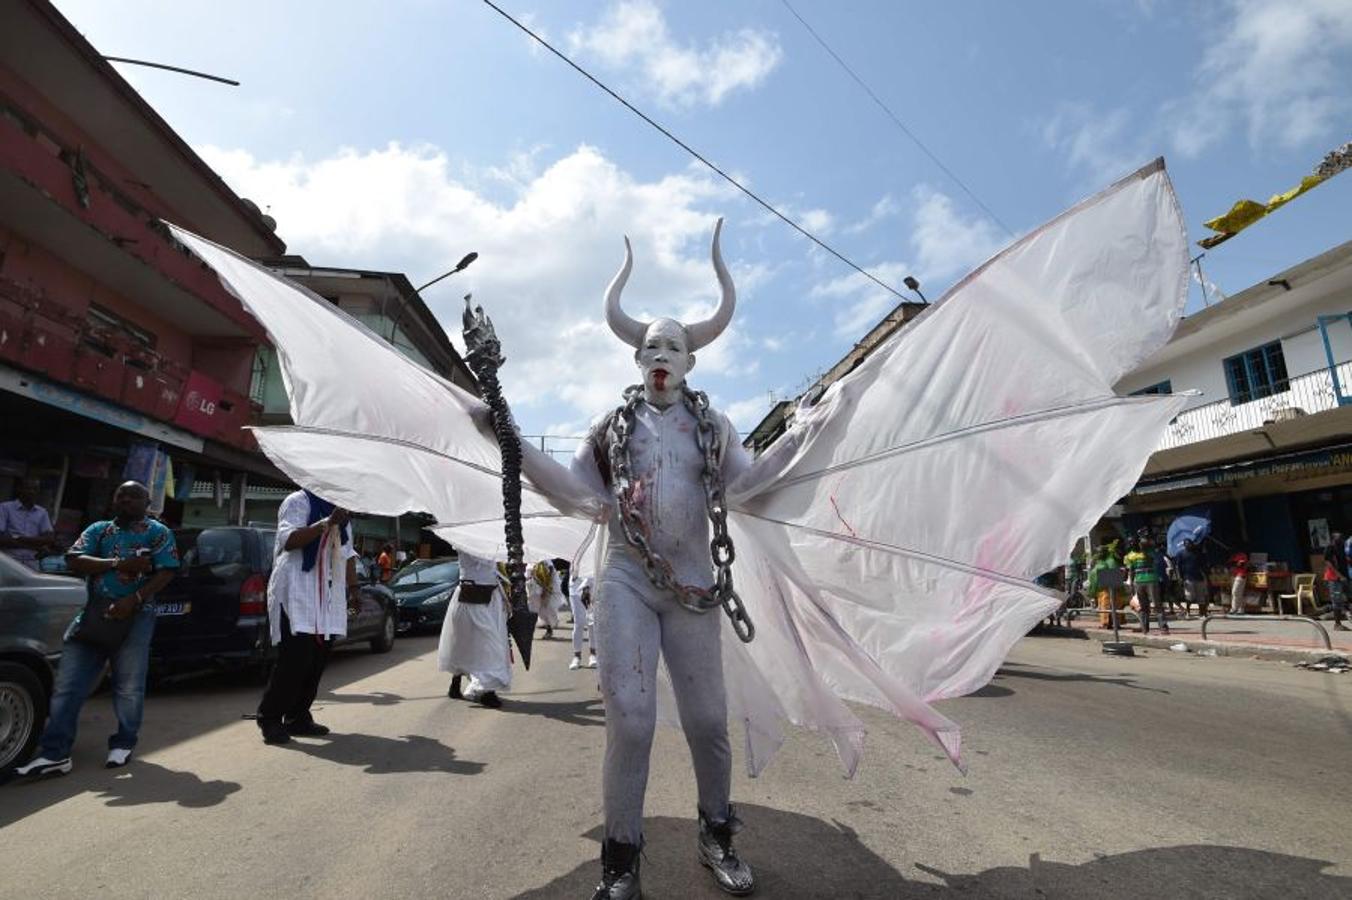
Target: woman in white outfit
{"type": "Point", "coordinates": [474, 635]}
{"type": "Point", "coordinates": [579, 589]}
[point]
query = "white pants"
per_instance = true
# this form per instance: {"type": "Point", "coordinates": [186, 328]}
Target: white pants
{"type": "Point", "coordinates": [582, 624]}
{"type": "Point", "coordinates": [1237, 590]}
{"type": "Point", "coordinates": [632, 628]}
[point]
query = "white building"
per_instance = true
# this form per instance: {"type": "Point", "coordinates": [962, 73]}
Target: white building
{"type": "Point", "coordinates": [1266, 444]}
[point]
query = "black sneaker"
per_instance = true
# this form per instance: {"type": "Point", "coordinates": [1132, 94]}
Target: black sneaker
{"type": "Point", "coordinates": [454, 691]}
{"type": "Point", "coordinates": [274, 732]}
{"type": "Point", "coordinates": [309, 728]}
{"type": "Point", "coordinates": [491, 700]}
{"type": "Point", "coordinates": [41, 767]}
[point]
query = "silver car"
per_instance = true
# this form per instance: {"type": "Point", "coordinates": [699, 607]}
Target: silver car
{"type": "Point", "coordinates": [35, 611]}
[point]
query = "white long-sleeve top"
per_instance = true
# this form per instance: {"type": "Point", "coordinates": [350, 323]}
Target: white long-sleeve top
{"type": "Point", "coordinates": [315, 602]}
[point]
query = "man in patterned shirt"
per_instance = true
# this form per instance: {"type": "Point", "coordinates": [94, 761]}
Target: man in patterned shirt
{"type": "Point", "coordinates": [127, 559]}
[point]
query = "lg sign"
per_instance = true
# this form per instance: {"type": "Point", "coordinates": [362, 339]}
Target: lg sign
{"type": "Point", "coordinates": [197, 406]}
{"type": "Point", "coordinates": [198, 402]}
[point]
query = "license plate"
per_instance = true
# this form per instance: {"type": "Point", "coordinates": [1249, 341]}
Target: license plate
{"type": "Point", "coordinates": [174, 609]}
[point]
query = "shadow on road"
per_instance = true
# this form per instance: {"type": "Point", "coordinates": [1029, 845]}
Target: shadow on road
{"type": "Point", "coordinates": [799, 856]}
{"type": "Point", "coordinates": [569, 712]}
{"type": "Point", "coordinates": [1015, 670]}
{"type": "Point", "coordinates": [379, 698]}
{"type": "Point", "coordinates": [386, 756]}
{"type": "Point", "coordinates": [138, 784]}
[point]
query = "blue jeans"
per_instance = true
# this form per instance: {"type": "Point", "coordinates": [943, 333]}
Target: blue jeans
{"type": "Point", "coordinates": [80, 667]}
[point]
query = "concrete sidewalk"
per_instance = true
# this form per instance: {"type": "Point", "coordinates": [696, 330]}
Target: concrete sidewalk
{"type": "Point", "coordinates": [1291, 639]}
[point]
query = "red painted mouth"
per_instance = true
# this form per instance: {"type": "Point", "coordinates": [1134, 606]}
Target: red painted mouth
{"type": "Point", "coordinates": [660, 379]}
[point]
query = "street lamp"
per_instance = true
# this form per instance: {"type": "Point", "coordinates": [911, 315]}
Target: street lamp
{"type": "Point", "coordinates": [463, 264]}
{"type": "Point", "coordinates": [914, 285]}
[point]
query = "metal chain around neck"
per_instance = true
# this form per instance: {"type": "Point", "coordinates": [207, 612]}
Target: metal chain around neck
{"type": "Point", "coordinates": [635, 529]}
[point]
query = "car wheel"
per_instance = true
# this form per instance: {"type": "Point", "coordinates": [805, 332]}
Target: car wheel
{"type": "Point", "coordinates": [23, 709]}
{"type": "Point", "coordinates": [384, 642]}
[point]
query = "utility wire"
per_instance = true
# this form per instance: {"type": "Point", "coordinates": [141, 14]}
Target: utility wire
{"type": "Point", "coordinates": [154, 65]}
{"type": "Point", "coordinates": [895, 120]}
{"type": "Point", "coordinates": [697, 155]}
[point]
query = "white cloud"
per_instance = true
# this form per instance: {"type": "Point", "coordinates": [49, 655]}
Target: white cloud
{"type": "Point", "coordinates": [862, 303]}
{"type": "Point", "coordinates": [747, 414]}
{"type": "Point", "coordinates": [1277, 68]}
{"type": "Point", "coordinates": [884, 209]}
{"type": "Point", "coordinates": [1102, 146]}
{"type": "Point", "coordinates": [633, 34]}
{"type": "Point", "coordinates": [946, 243]}
{"type": "Point", "coordinates": [545, 255]}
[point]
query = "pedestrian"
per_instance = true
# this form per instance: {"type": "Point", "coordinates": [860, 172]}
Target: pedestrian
{"type": "Point", "coordinates": [312, 590]}
{"type": "Point", "coordinates": [1336, 578]}
{"type": "Point", "coordinates": [126, 561]}
{"type": "Point", "coordinates": [1146, 569]}
{"type": "Point", "coordinates": [1190, 563]}
{"type": "Point", "coordinates": [1102, 585]}
{"type": "Point", "coordinates": [25, 527]}
{"type": "Point", "coordinates": [386, 563]}
{"type": "Point", "coordinates": [579, 596]}
{"type": "Point", "coordinates": [544, 595]}
{"type": "Point", "coordinates": [474, 635]}
{"type": "Point", "coordinates": [1239, 582]}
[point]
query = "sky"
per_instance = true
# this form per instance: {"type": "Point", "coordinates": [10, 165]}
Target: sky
{"type": "Point", "coordinates": [401, 135]}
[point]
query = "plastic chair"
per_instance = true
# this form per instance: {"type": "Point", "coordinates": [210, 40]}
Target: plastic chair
{"type": "Point", "coordinates": [1304, 594]}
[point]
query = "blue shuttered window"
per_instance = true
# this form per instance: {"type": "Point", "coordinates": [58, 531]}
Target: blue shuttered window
{"type": "Point", "coordinates": [1260, 372]}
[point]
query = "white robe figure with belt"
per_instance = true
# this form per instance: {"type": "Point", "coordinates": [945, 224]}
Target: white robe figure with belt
{"type": "Point", "coordinates": [544, 594]}
{"type": "Point", "coordinates": [885, 545]}
{"type": "Point", "coordinates": [474, 641]}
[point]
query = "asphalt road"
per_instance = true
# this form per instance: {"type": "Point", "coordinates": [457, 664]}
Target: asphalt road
{"type": "Point", "coordinates": [1162, 776]}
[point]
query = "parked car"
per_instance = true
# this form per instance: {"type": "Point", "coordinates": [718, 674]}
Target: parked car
{"type": "Point", "coordinates": [35, 611]}
{"type": "Point", "coordinates": [423, 591]}
{"type": "Point", "coordinates": [216, 611]}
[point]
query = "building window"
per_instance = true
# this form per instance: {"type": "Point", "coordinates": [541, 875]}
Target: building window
{"type": "Point", "coordinates": [1260, 372]}
{"type": "Point", "coordinates": [1164, 387]}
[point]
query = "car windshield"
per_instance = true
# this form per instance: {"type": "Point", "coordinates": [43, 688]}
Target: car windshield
{"type": "Point", "coordinates": [429, 571]}
{"type": "Point", "coordinates": [212, 547]}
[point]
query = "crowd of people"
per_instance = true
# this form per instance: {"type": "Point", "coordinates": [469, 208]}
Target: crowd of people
{"type": "Point", "coordinates": [1153, 580]}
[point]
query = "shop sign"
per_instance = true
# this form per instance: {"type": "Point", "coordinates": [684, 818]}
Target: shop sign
{"type": "Point", "coordinates": [199, 404]}
{"type": "Point", "coordinates": [1318, 462]}
{"type": "Point", "coordinates": [40, 389]}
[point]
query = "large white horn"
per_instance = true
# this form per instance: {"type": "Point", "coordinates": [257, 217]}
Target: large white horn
{"type": "Point", "coordinates": [702, 334]}
{"type": "Point", "coordinates": [626, 329]}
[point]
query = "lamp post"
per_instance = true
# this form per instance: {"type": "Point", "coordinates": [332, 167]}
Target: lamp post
{"type": "Point", "coordinates": [459, 267]}
{"type": "Point", "coordinates": [914, 285]}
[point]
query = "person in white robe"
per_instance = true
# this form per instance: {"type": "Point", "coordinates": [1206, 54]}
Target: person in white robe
{"type": "Point", "coordinates": [474, 641]}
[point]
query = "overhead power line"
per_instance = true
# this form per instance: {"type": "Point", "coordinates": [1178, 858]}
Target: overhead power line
{"type": "Point", "coordinates": [896, 120]}
{"type": "Point", "coordinates": [155, 65]}
{"type": "Point", "coordinates": [699, 156]}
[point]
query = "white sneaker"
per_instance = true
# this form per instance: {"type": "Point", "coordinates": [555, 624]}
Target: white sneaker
{"type": "Point", "coordinates": [42, 767]}
{"type": "Point", "coordinates": [575, 664]}
{"type": "Point", "coordinates": [117, 758]}
{"type": "Point", "coordinates": [591, 661]}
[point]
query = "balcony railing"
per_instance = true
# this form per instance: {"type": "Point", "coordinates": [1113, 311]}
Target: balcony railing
{"type": "Point", "coordinates": [1305, 395]}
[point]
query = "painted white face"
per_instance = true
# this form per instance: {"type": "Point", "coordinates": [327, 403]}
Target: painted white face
{"type": "Point", "coordinates": [664, 356]}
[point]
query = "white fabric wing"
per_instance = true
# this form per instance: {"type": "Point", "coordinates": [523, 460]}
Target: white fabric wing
{"type": "Point", "coordinates": [377, 433]}
{"type": "Point", "coordinates": [894, 531]}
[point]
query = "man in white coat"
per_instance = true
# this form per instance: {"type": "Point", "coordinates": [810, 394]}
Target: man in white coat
{"type": "Point", "coordinates": [474, 635]}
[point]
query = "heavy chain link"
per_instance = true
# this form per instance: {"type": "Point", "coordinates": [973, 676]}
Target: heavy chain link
{"type": "Point", "coordinates": [635, 529]}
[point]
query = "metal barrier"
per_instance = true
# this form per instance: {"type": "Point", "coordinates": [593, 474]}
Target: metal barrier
{"type": "Point", "coordinates": [1323, 632]}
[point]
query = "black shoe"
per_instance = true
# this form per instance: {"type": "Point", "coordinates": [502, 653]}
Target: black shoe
{"type": "Point", "coordinates": [454, 691]}
{"type": "Point", "coordinates": [716, 853]}
{"type": "Point", "coordinates": [309, 728]}
{"type": "Point", "coordinates": [619, 872]}
{"type": "Point", "coordinates": [490, 699]}
{"type": "Point", "coordinates": [274, 732]}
